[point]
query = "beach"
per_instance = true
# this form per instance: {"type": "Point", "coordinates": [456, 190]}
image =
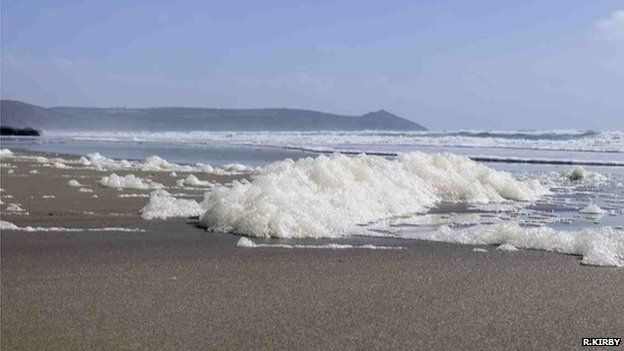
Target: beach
{"type": "Point", "coordinates": [172, 285]}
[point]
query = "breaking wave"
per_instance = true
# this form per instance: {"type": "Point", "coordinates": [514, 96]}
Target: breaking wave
{"type": "Point", "coordinates": [553, 140]}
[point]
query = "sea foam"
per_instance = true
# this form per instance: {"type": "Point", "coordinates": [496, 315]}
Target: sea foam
{"type": "Point", "coordinates": [329, 196]}
{"type": "Point", "coordinates": [247, 243]}
{"type": "Point", "coordinates": [129, 181]}
{"type": "Point", "coordinates": [4, 225]}
{"type": "Point", "coordinates": [599, 246]}
{"type": "Point", "coordinates": [163, 205]}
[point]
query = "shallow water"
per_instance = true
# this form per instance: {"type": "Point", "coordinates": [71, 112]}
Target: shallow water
{"type": "Point", "coordinates": [215, 155]}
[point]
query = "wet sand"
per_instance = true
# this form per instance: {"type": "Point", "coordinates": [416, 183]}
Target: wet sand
{"type": "Point", "coordinates": [176, 286]}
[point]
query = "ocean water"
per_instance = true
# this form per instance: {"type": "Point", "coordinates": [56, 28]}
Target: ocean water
{"type": "Point", "coordinates": [180, 151]}
{"type": "Point", "coordinates": [552, 190]}
{"type": "Point", "coordinates": [258, 148]}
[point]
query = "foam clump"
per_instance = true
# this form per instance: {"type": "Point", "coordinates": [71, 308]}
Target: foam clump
{"type": "Point", "coordinates": [155, 163]}
{"type": "Point", "coordinates": [5, 153]}
{"type": "Point", "coordinates": [237, 168]}
{"type": "Point", "coordinates": [14, 208]}
{"type": "Point", "coordinates": [229, 169]}
{"type": "Point", "coordinates": [580, 175]}
{"type": "Point", "coordinates": [598, 246]}
{"type": "Point", "coordinates": [4, 225]}
{"type": "Point", "coordinates": [74, 183]}
{"type": "Point", "coordinates": [103, 163]}
{"type": "Point", "coordinates": [192, 180]}
{"type": "Point", "coordinates": [328, 196]}
{"type": "Point", "coordinates": [592, 209]}
{"type": "Point", "coordinates": [151, 164]}
{"type": "Point", "coordinates": [243, 242]}
{"type": "Point", "coordinates": [163, 205]}
{"type": "Point", "coordinates": [507, 247]}
{"type": "Point", "coordinates": [129, 181]}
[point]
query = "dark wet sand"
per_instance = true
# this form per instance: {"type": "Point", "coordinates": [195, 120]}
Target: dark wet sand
{"type": "Point", "coordinates": [178, 287]}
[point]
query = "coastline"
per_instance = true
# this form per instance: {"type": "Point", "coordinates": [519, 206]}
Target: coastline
{"type": "Point", "coordinates": [176, 286]}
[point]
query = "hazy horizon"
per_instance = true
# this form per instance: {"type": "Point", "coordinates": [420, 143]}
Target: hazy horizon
{"type": "Point", "coordinates": [452, 65]}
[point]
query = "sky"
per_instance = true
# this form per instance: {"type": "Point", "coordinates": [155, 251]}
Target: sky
{"type": "Point", "coordinates": [555, 64]}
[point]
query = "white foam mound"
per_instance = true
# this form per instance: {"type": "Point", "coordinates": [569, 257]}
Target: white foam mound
{"type": "Point", "coordinates": [507, 247]}
{"type": "Point", "coordinates": [592, 208]}
{"type": "Point", "coordinates": [192, 180]}
{"type": "Point", "coordinates": [329, 195]}
{"type": "Point", "coordinates": [74, 183]}
{"type": "Point", "coordinates": [101, 162]}
{"type": "Point", "coordinates": [4, 225]}
{"type": "Point", "coordinates": [5, 153]}
{"type": "Point", "coordinates": [599, 246]}
{"type": "Point", "coordinates": [129, 181]}
{"type": "Point", "coordinates": [155, 163]}
{"type": "Point", "coordinates": [247, 243]}
{"type": "Point", "coordinates": [163, 205]}
{"type": "Point", "coordinates": [14, 208]}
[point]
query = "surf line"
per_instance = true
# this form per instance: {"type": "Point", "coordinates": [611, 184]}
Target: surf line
{"type": "Point", "coordinates": [490, 159]}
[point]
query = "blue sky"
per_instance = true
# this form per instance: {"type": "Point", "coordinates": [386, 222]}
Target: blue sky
{"type": "Point", "coordinates": [446, 64]}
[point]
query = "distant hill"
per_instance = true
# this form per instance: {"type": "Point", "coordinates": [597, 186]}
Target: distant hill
{"type": "Point", "coordinates": [18, 131]}
{"type": "Point", "coordinates": [18, 114]}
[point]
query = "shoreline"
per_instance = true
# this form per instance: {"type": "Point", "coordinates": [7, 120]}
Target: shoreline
{"type": "Point", "coordinates": [176, 286]}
